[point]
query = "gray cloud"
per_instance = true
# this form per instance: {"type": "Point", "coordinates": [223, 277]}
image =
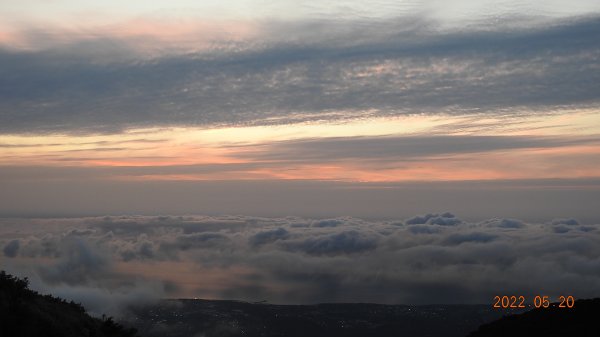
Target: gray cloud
{"type": "Point", "coordinates": [200, 240]}
{"type": "Point", "coordinates": [457, 239]}
{"type": "Point", "coordinates": [11, 249]}
{"type": "Point", "coordinates": [384, 68]}
{"type": "Point", "coordinates": [79, 263]}
{"type": "Point", "coordinates": [561, 229]}
{"type": "Point", "coordinates": [346, 242]}
{"type": "Point", "coordinates": [506, 223]}
{"type": "Point", "coordinates": [355, 261]}
{"type": "Point", "coordinates": [327, 223]}
{"type": "Point", "coordinates": [569, 222]}
{"type": "Point", "coordinates": [269, 236]}
{"type": "Point", "coordinates": [398, 148]}
{"type": "Point", "coordinates": [444, 219]}
{"type": "Point", "coordinates": [423, 229]}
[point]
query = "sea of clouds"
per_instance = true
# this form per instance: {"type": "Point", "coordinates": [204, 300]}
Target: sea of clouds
{"type": "Point", "coordinates": [108, 263]}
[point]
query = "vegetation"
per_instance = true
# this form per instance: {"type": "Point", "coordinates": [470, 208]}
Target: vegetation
{"type": "Point", "coordinates": [24, 312]}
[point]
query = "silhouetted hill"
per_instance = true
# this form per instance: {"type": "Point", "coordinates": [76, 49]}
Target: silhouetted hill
{"type": "Point", "coordinates": [582, 320]}
{"type": "Point", "coordinates": [25, 313]}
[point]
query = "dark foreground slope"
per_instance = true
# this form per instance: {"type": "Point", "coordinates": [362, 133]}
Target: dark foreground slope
{"type": "Point", "coordinates": [188, 318]}
{"type": "Point", "coordinates": [581, 321]}
{"type": "Point", "coordinates": [26, 313]}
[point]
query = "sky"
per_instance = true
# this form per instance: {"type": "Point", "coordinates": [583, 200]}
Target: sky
{"type": "Point", "coordinates": [296, 112]}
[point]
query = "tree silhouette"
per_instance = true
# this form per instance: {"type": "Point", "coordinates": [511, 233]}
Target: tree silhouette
{"type": "Point", "coordinates": [25, 313]}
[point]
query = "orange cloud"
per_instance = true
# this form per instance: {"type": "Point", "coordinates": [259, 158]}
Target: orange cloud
{"type": "Point", "coordinates": [239, 153]}
{"type": "Point", "coordinates": [144, 35]}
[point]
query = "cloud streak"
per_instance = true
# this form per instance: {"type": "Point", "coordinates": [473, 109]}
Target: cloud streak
{"type": "Point", "coordinates": [384, 158]}
{"type": "Point", "coordinates": [393, 148]}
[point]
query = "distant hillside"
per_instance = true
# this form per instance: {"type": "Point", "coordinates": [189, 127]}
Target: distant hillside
{"type": "Point", "coordinates": [189, 318]}
{"type": "Point", "coordinates": [25, 313]}
{"type": "Point", "coordinates": [580, 321]}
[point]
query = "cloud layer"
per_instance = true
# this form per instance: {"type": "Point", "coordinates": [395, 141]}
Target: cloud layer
{"type": "Point", "coordinates": [108, 262]}
{"type": "Point", "coordinates": [303, 71]}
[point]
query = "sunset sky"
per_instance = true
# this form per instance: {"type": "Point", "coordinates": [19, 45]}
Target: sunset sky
{"type": "Point", "coordinates": [376, 110]}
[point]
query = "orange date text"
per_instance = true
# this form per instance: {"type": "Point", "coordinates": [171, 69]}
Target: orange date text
{"type": "Point", "coordinates": [539, 301]}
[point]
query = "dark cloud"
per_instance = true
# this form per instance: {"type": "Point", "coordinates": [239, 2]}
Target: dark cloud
{"type": "Point", "coordinates": [346, 242]}
{"type": "Point", "coordinates": [561, 226]}
{"type": "Point", "coordinates": [510, 223]}
{"type": "Point", "coordinates": [444, 219]}
{"type": "Point", "coordinates": [81, 267]}
{"type": "Point", "coordinates": [568, 222]}
{"type": "Point", "coordinates": [327, 223]}
{"type": "Point", "coordinates": [79, 263]}
{"type": "Point", "coordinates": [476, 237]}
{"type": "Point", "coordinates": [391, 150]}
{"type": "Point", "coordinates": [561, 229]}
{"type": "Point", "coordinates": [423, 229]}
{"type": "Point", "coordinates": [141, 249]}
{"type": "Point", "coordinates": [269, 236]}
{"type": "Point", "coordinates": [11, 249]}
{"type": "Point", "coordinates": [200, 240]}
{"type": "Point", "coordinates": [383, 68]}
